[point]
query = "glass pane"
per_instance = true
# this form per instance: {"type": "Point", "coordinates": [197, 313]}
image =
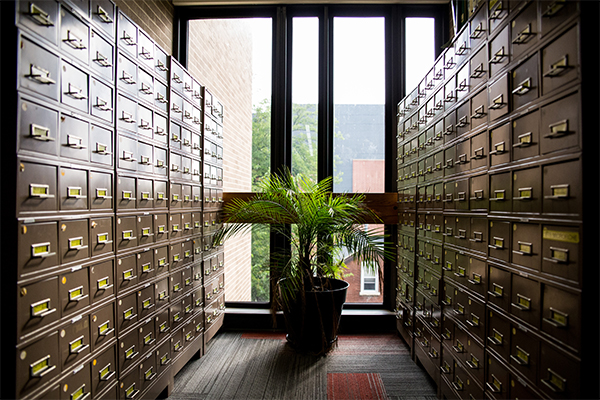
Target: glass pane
{"type": "Point", "coordinates": [420, 49]}
{"type": "Point", "coordinates": [305, 89]}
{"type": "Point", "coordinates": [359, 131]}
{"type": "Point", "coordinates": [234, 61]}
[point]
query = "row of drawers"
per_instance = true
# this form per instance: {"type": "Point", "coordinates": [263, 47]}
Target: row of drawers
{"type": "Point", "coordinates": [507, 45]}
{"type": "Point", "coordinates": [552, 250]}
{"type": "Point", "coordinates": [552, 128]}
{"type": "Point", "coordinates": [550, 189]}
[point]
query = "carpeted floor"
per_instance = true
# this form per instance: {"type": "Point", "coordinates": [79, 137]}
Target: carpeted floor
{"type": "Point", "coordinates": [262, 366]}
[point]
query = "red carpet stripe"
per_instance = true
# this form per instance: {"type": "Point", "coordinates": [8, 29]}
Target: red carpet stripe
{"type": "Point", "coordinates": [264, 335]}
{"type": "Point", "coordinates": [355, 387]}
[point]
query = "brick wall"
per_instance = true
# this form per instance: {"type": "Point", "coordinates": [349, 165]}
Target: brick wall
{"type": "Point", "coordinates": [220, 56]}
{"type": "Point", "coordinates": [155, 17]}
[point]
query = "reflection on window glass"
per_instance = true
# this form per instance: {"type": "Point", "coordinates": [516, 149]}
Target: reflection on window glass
{"type": "Point", "coordinates": [420, 49]}
{"type": "Point", "coordinates": [358, 143]}
{"type": "Point", "coordinates": [223, 45]}
{"type": "Point", "coordinates": [305, 88]}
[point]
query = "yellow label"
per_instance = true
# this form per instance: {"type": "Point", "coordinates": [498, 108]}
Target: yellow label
{"type": "Point", "coordinates": [186, 197]}
{"type": "Point", "coordinates": [145, 195]}
{"type": "Point", "coordinates": [475, 319]}
{"type": "Point", "coordinates": [78, 393]}
{"type": "Point", "coordinates": [161, 229]}
{"type": "Point", "coordinates": [129, 351]}
{"type": "Point", "coordinates": [39, 308]}
{"type": "Point", "coordinates": [477, 278]}
{"type": "Point", "coordinates": [499, 243]}
{"type": "Point", "coordinates": [559, 317]}
{"type": "Point", "coordinates": [188, 336]}
{"type": "Point", "coordinates": [461, 271]}
{"type": "Point", "coordinates": [177, 346]}
{"type": "Point", "coordinates": [128, 274]}
{"type": "Point", "coordinates": [197, 224]}
{"type": "Point", "coordinates": [474, 360]}
{"type": "Point", "coordinates": [39, 190]}
{"type": "Point", "coordinates": [188, 281]}
{"type": "Point", "coordinates": [188, 308]}
{"type": "Point", "coordinates": [560, 236]}
{"type": "Point", "coordinates": [187, 225]}
{"type": "Point", "coordinates": [526, 193]}
{"type": "Point", "coordinates": [175, 197]}
{"type": "Point", "coordinates": [163, 359]}
{"type": "Point", "coordinates": [148, 373]}
{"type": "Point", "coordinates": [175, 227]}
{"type": "Point", "coordinates": [176, 317]}
{"type": "Point", "coordinates": [176, 287]}
{"type": "Point", "coordinates": [163, 327]}
{"type": "Point", "coordinates": [560, 255]}
{"type": "Point", "coordinates": [498, 336]}
{"type": "Point", "coordinates": [448, 299]}
{"type": "Point", "coordinates": [161, 196]}
{"type": "Point", "coordinates": [128, 313]}
{"type": "Point", "coordinates": [75, 293]}
{"type": "Point", "coordinates": [146, 303]}
{"type": "Point", "coordinates": [523, 302]}
{"type": "Point", "coordinates": [74, 192]}
{"type": "Point", "coordinates": [127, 234]}
{"type": "Point", "coordinates": [147, 338]}
{"type": "Point", "coordinates": [145, 231]}
{"type": "Point", "coordinates": [76, 344]}
{"type": "Point", "coordinates": [102, 283]}
{"type": "Point", "coordinates": [176, 257]}
{"type": "Point", "coordinates": [130, 390]}
{"type": "Point", "coordinates": [188, 253]}
{"type": "Point", "coordinates": [525, 248]}
{"type": "Point", "coordinates": [104, 371]}
{"type": "Point", "coordinates": [497, 384]}
{"type": "Point", "coordinates": [126, 195]}
{"type": "Point", "coordinates": [198, 327]}
{"type": "Point", "coordinates": [75, 242]}
{"type": "Point", "coordinates": [41, 249]}
{"type": "Point", "coordinates": [522, 355]}
{"type": "Point", "coordinates": [461, 309]}
{"type": "Point", "coordinates": [40, 366]}
{"type": "Point", "coordinates": [498, 289]}
{"type": "Point", "coordinates": [146, 267]}
{"type": "Point", "coordinates": [560, 191]}
{"type": "Point", "coordinates": [162, 262]}
{"type": "Point", "coordinates": [102, 237]}
{"type": "Point", "coordinates": [557, 380]}
{"type": "Point", "coordinates": [101, 192]}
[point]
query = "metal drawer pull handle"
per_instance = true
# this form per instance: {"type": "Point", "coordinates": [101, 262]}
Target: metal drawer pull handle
{"type": "Point", "coordinates": [145, 125]}
{"type": "Point", "coordinates": [498, 103]}
{"type": "Point", "coordinates": [128, 314]}
{"type": "Point", "coordinates": [499, 195]}
{"type": "Point", "coordinates": [39, 132]}
{"type": "Point", "coordinates": [478, 72]}
{"type": "Point", "coordinates": [130, 353]}
{"type": "Point", "coordinates": [147, 304]}
{"type": "Point", "coordinates": [104, 283]}
{"type": "Point", "coordinates": [40, 75]}
{"type": "Point", "coordinates": [522, 357]}
{"type": "Point", "coordinates": [39, 15]}
{"type": "Point", "coordinates": [131, 391]}
{"type": "Point", "coordinates": [525, 249]}
{"type": "Point", "coordinates": [555, 382]}
{"type": "Point", "coordinates": [462, 122]}
{"type": "Point", "coordinates": [450, 63]}
{"type": "Point", "coordinates": [553, 8]}
{"type": "Point", "coordinates": [74, 41]}
{"type": "Point", "coordinates": [559, 192]}
{"type": "Point", "coordinates": [128, 39]}
{"type": "Point", "coordinates": [197, 121]}
{"type": "Point", "coordinates": [160, 131]}
{"type": "Point", "coordinates": [102, 104]}
{"type": "Point", "coordinates": [127, 78]}
{"type": "Point", "coordinates": [75, 142]}
{"type": "Point", "coordinates": [176, 108]}
{"type": "Point", "coordinates": [160, 164]}
{"type": "Point", "coordinates": [558, 68]}
{"type": "Point", "coordinates": [462, 159]}
{"type": "Point", "coordinates": [146, 89]}
{"type": "Point", "coordinates": [149, 375]}
{"type": "Point", "coordinates": [187, 115]}
{"type": "Point", "coordinates": [102, 60]}
{"type": "Point", "coordinates": [558, 256]}
{"type": "Point", "coordinates": [479, 154]}
{"type": "Point", "coordinates": [462, 196]}
{"type": "Point", "coordinates": [477, 237]}
{"type": "Point", "coordinates": [145, 54]}
{"type": "Point", "coordinates": [462, 86]}
{"type": "Point", "coordinates": [439, 76]}
{"type": "Point", "coordinates": [74, 192]}
{"type": "Point", "coordinates": [146, 232]}
{"type": "Point", "coordinates": [176, 78]}
{"type": "Point", "coordinates": [128, 235]}
{"type": "Point", "coordinates": [76, 243]}
{"type": "Point", "coordinates": [458, 386]}
{"type": "Point", "coordinates": [499, 56]}
{"type": "Point", "coordinates": [75, 92]}
{"type": "Point", "coordinates": [127, 117]}
{"type": "Point", "coordinates": [41, 368]}
{"type": "Point", "coordinates": [478, 194]}
{"type": "Point", "coordinates": [525, 193]}
{"type": "Point", "coordinates": [495, 386]}
{"type": "Point", "coordinates": [126, 195]}
{"type": "Point", "coordinates": [147, 268]}
{"type": "Point", "coordinates": [187, 87]}
{"type": "Point", "coordinates": [462, 50]}
{"type": "Point", "coordinates": [524, 36]}
{"type": "Point", "coordinates": [497, 339]}
{"type": "Point", "coordinates": [499, 148]}
{"type": "Point", "coordinates": [40, 191]}
{"type": "Point", "coordinates": [524, 140]}
{"type": "Point", "coordinates": [523, 88]}
{"type": "Point", "coordinates": [473, 363]}
{"type": "Point", "coordinates": [197, 95]}
{"type": "Point", "coordinates": [145, 160]}
{"type": "Point", "coordinates": [479, 113]}
{"type": "Point", "coordinates": [523, 303]}
{"type": "Point", "coordinates": [77, 345]}
{"type": "Point", "coordinates": [128, 156]}
{"type": "Point", "coordinates": [161, 66]}
{"type": "Point", "coordinates": [161, 98]}
{"type": "Point", "coordinates": [103, 15]}
{"type": "Point", "coordinates": [106, 374]}
{"type": "Point", "coordinates": [558, 319]}
{"type": "Point", "coordinates": [478, 31]}
{"type": "Point", "coordinates": [41, 309]}
{"type": "Point", "coordinates": [558, 129]}
{"type": "Point", "coordinates": [76, 294]}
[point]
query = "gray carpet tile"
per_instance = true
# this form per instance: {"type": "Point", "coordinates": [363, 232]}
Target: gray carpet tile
{"type": "Point", "coordinates": [235, 368]}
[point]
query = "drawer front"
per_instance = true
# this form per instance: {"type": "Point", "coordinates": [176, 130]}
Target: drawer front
{"type": "Point", "coordinates": [499, 51]}
{"type": "Point", "coordinates": [501, 192]}
{"type": "Point", "coordinates": [129, 350]}
{"type": "Point", "coordinates": [560, 62]}
{"type": "Point", "coordinates": [478, 70]}
{"type": "Point", "coordinates": [161, 227]}
{"type": "Point", "coordinates": [527, 190]}
{"type": "Point", "coordinates": [104, 369]}
{"type": "Point", "coordinates": [479, 109]}
{"type": "Point", "coordinates": [561, 316]}
{"type": "Point", "coordinates": [38, 128]}
{"type": "Point", "coordinates": [499, 287]}
{"type": "Point", "coordinates": [74, 36]}
{"type": "Point", "coordinates": [74, 342]}
{"type": "Point", "coordinates": [479, 193]}
{"type": "Point", "coordinates": [145, 189]}
{"type": "Point", "coordinates": [73, 239]}
{"type": "Point", "coordinates": [162, 323]}
{"type": "Point", "coordinates": [102, 281]}
{"type": "Point", "coordinates": [145, 264]}
{"type": "Point", "coordinates": [175, 167]}
{"type": "Point", "coordinates": [102, 56]}
{"type": "Point", "coordinates": [560, 124]}
{"type": "Point", "coordinates": [74, 87]}
{"type": "Point", "coordinates": [127, 313]}
{"type": "Point", "coordinates": [524, 352]}
{"type": "Point", "coordinates": [145, 49]}
{"type": "Point", "coordinates": [561, 251]}
{"type": "Point", "coordinates": [41, 17]}
{"type": "Point", "coordinates": [145, 306]}
{"type": "Point", "coordinates": [478, 235]}
{"type": "Point", "coordinates": [74, 140]}
{"type": "Point", "coordinates": [497, 378]}
{"type": "Point", "coordinates": [126, 233]}
{"type": "Point", "coordinates": [127, 153]}
{"type": "Point", "coordinates": [38, 306]}
{"type": "Point", "coordinates": [500, 145]}
{"type": "Point", "coordinates": [161, 96]}
{"type": "Point", "coordinates": [39, 69]}
{"type": "Point", "coordinates": [38, 247]}
{"type": "Point", "coordinates": [479, 150]}
{"type": "Point", "coordinates": [37, 364]}
{"type": "Point", "coordinates": [525, 83]}
{"type": "Point", "coordinates": [101, 145]}
{"type": "Point", "coordinates": [74, 291]}
{"type": "Point", "coordinates": [127, 273]}
{"type": "Point", "coordinates": [161, 64]}
{"type": "Point", "coordinates": [555, 13]}
{"type": "Point", "coordinates": [126, 114]}
{"type": "Point", "coordinates": [104, 15]}
{"type": "Point", "coordinates": [160, 163]}
{"type": "Point", "coordinates": [463, 81]}
{"type": "Point", "coordinates": [127, 34]}
{"type": "Point", "coordinates": [161, 292]}
{"type": "Point", "coordinates": [463, 122]}
{"type": "Point", "coordinates": [73, 189]}
{"type": "Point", "coordinates": [499, 335]}
{"type": "Point", "coordinates": [559, 375]}
{"type": "Point", "coordinates": [526, 245]}
{"type": "Point", "coordinates": [175, 136]}
{"type": "Point", "coordinates": [37, 188]}
{"type": "Point", "coordinates": [102, 324]}
{"type": "Point", "coordinates": [524, 32]}
{"type": "Point", "coordinates": [127, 75]}
{"type": "Point", "coordinates": [526, 136]}
{"type": "Point", "coordinates": [126, 193]}
{"type": "Point", "coordinates": [176, 106]}
{"type": "Point", "coordinates": [498, 98]}
{"type": "Point", "coordinates": [499, 242]}
{"type": "Point", "coordinates": [145, 121]}
{"type": "Point", "coordinates": [562, 188]}
{"type": "Point", "coordinates": [526, 300]}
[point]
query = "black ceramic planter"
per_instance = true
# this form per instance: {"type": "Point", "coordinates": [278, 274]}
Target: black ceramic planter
{"type": "Point", "coordinates": [312, 320]}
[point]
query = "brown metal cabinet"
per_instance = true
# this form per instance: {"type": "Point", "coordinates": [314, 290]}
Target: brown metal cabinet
{"type": "Point", "coordinates": [527, 190]}
{"type": "Point", "coordinates": [562, 189]}
{"type": "Point", "coordinates": [499, 285]}
{"type": "Point", "coordinates": [101, 147]}
{"type": "Point", "coordinates": [101, 281]}
{"type": "Point", "coordinates": [560, 61]}
{"type": "Point", "coordinates": [126, 233]}
{"type": "Point", "coordinates": [74, 290]}
{"type": "Point", "coordinates": [561, 252]}
{"type": "Point", "coordinates": [77, 384]}
{"type": "Point", "coordinates": [37, 188]}
{"type": "Point", "coordinates": [498, 335]}
{"type": "Point", "coordinates": [38, 128]}
{"type": "Point", "coordinates": [126, 193]}
{"type": "Point", "coordinates": [500, 192]}
{"type": "Point", "coordinates": [127, 273]}
{"type": "Point", "coordinates": [73, 238]}
{"type": "Point", "coordinates": [561, 316]}
{"type": "Point", "coordinates": [524, 352]}
{"type": "Point", "coordinates": [161, 227]}
{"type": "Point", "coordinates": [37, 364]}
{"type": "Point", "coordinates": [104, 369]}
{"type": "Point", "coordinates": [74, 341]}
{"type": "Point", "coordinates": [526, 245]}
{"type": "Point", "coordinates": [38, 306]}
{"type": "Point", "coordinates": [38, 247]}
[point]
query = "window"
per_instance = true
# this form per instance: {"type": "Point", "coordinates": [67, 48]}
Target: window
{"type": "Point", "coordinates": [369, 282]}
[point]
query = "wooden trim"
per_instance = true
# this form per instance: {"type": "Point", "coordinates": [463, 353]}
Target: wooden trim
{"type": "Point", "coordinates": [385, 205]}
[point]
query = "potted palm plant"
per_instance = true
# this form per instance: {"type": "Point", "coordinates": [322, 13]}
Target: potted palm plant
{"type": "Point", "coordinates": [322, 230]}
